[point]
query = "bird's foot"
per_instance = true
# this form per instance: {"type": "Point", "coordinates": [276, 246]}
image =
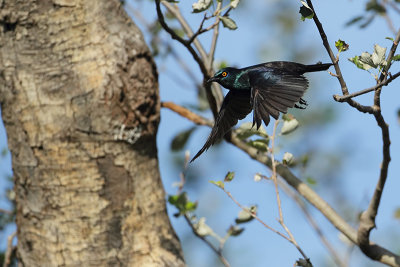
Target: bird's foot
{"type": "Point", "coordinates": [301, 102]}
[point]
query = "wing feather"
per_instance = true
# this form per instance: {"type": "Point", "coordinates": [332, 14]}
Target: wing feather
{"type": "Point", "coordinates": [236, 106]}
{"type": "Point", "coordinates": [274, 91]}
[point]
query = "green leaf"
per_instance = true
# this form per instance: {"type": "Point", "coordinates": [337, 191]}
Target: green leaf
{"type": "Point", "coordinates": [396, 57]}
{"type": "Point", "coordinates": [245, 215]}
{"type": "Point", "coordinates": [246, 130]}
{"type": "Point", "coordinates": [341, 45]}
{"type": "Point", "coordinates": [378, 57]}
{"type": "Point", "coordinates": [234, 3]}
{"type": "Point", "coordinates": [220, 184]}
{"type": "Point", "coordinates": [260, 144]}
{"type": "Point", "coordinates": [356, 60]}
{"type": "Point", "coordinates": [354, 20]}
{"type": "Point", "coordinates": [288, 158]}
{"type": "Point", "coordinates": [228, 22]}
{"type": "Point", "coordinates": [235, 230]}
{"type": "Point", "coordinates": [311, 181]}
{"type": "Point", "coordinates": [289, 126]}
{"type": "Point", "coordinates": [305, 11]}
{"type": "Point", "coordinates": [373, 5]}
{"type": "Point", "coordinates": [182, 203]}
{"type": "Point", "coordinates": [229, 176]}
{"type": "Point", "coordinates": [201, 5]}
{"type": "Point", "coordinates": [202, 229]}
{"type": "Point", "coordinates": [390, 38]}
{"type": "Point", "coordinates": [180, 140]}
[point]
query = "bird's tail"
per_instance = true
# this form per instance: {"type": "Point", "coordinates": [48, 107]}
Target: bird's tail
{"type": "Point", "coordinates": [317, 67]}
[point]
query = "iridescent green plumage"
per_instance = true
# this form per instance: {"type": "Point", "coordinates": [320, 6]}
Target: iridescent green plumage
{"type": "Point", "coordinates": [268, 89]}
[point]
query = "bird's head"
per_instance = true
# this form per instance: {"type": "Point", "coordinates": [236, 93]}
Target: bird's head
{"type": "Point", "coordinates": [225, 77]}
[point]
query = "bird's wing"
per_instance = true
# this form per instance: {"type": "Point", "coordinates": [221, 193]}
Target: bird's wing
{"type": "Point", "coordinates": [236, 106]}
{"type": "Point", "coordinates": [274, 91]}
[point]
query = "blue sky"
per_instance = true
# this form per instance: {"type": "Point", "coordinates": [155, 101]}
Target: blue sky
{"type": "Point", "coordinates": [353, 133]}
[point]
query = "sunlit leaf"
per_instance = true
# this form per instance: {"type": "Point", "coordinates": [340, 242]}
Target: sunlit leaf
{"type": "Point", "coordinates": [228, 22]}
{"type": "Point", "coordinates": [246, 130]}
{"type": "Point", "coordinates": [288, 158]}
{"type": "Point", "coordinates": [245, 214]}
{"type": "Point", "coordinates": [390, 38]}
{"type": "Point", "coordinates": [378, 57]}
{"type": "Point", "coordinates": [201, 5]}
{"type": "Point", "coordinates": [182, 203]}
{"type": "Point", "coordinates": [341, 45]}
{"type": "Point", "coordinates": [220, 184]}
{"type": "Point", "coordinates": [234, 3]}
{"type": "Point", "coordinates": [289, 126]}
{"type": "Point", "coordinates": [396, 57]}
{"type": "Point", "coordinates": [202, 228]}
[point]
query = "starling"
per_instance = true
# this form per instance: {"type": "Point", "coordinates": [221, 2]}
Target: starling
{"type": "Point", "coordinates": [267, 89]}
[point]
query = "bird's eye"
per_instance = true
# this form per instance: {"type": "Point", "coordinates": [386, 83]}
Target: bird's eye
{"type": "Point", "coordinates": [224, 74]}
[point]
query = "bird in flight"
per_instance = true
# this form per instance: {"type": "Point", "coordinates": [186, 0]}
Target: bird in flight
{"type": "Point", "coordinates": [267, 89]}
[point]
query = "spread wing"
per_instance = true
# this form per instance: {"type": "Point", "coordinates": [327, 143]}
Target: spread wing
{"type": "Point", "coordinates": [235, 106]}
{"type": "Point", "coordinates": [274, 91]}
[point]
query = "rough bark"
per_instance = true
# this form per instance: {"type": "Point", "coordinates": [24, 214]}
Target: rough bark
{"type": "Point", "coordinates": [79, 96]}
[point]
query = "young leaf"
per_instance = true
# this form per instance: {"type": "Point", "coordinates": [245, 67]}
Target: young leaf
{"type": "Point", "coordinates": [287, 158]}
{"type": "Point", "coordinates": [220, 184]}
{"type": "Point", "coordinates": [390, 38]}
{"type": "Point", "coordinates": [235, 230]}
{"type": "Point", "coordinates": [260, 144]}
{"type": "Point", "coordinates": [378, 57]}
{"type": "Point", "coordinates": [202, 229]}
{"type": "Point", "coordinates": [234, 3]}
{"type": "Point", "coordinates": [341, 45]}
{"type": "Point", "coordinates": [356, 60]}
{"type": "Point", "coordinates": [201, 5]}
{"type": "Point", "coordinates": [246, 130]}
{"type": "Point", "coordinates": [229, 176]}
{"type": "Point", "coordinates": [245, 214]}
{"type": "Point", "coordinates": [305, 11]}
{"type": "Point", "coordinates": [289, 126]}
{"type": "Point", "coordinates": [228, 22]}
{"type": "Point", "coordinates": [396, 57]}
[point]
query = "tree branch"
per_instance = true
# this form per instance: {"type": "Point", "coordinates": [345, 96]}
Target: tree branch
{"type": "Point", "coordinates": [9, 251]}
{"type": "Point", "coordinates": [367, 90]}
{"type": "Point", "coordinates": [351, 102]}
{"type": "Point", "coordinates": [367, 219]}
{"type": "Point", "coordinates": [387, 257]}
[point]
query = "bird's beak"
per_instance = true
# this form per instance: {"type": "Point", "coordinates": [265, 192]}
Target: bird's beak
{"type": "Point", "coordinates": [212, 79]}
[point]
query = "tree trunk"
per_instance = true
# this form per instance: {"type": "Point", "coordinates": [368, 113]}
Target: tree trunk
{"type": "Point", "coordinates": [79, 96]}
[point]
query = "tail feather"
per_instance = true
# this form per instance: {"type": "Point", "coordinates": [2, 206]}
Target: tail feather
{"type": "Point", "coordinates": [317, 67]}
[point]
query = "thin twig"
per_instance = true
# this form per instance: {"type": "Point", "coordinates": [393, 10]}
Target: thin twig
{"type": "Point", "coordinates": [367, 90]}
{"type": "Point", "coordinates": [367, 220]}
{"type": "Point", "coordinates": [9, 212]}
{"type": "Point", "coordinates": [351, 102]}
{"type": "Point", "coordinates": [304, 190]}
{"type": "Point", "coordinates": [209, 244]}
{"type": "Point", "coordinates": [278, 199]}
{"type": "Point", "coordinates": [9, 251]}
{"type": "Point", "coordinates": [255, 216]}
{"type": "Point", "coordinates": [334, 254]}
{"type": "Point", "coordinates": [214, 97]}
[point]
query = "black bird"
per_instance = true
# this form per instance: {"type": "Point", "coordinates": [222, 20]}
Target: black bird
{"type": "Point", "coordinates": [267, 89]}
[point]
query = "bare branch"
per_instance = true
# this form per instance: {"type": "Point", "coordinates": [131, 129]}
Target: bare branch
{"type": "Point", "coordinates": [278, 199]}
{"type": "Point", "coordinates": [334, 254]}
{"type": "Point", "coordinates": [365, 91]}
{"type": "Point", "coordinates": [387, 257]}
{"type": "Point", "coordinates": [351, 102]}
{"type": "Point", "coordinates": [367, 219]}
